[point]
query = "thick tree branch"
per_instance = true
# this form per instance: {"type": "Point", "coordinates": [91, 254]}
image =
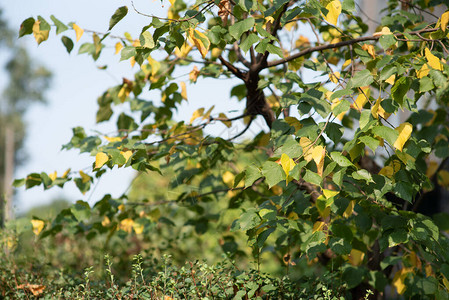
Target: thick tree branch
{"type": "Point", "coordinates": [231, 68]}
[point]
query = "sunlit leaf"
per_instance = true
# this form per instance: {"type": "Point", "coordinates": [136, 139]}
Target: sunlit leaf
{"type": "Point", "coordinates": [39, 34]}
{"type": "Point", "coordinates": [318, 155]}
{"type": "Point", "coordinates": [432, 60]}
{"type": "Point", "coordinates": [183, 90]}
{"type": "Point", "coordinates": [38, 226]}
{"type": "Point", "coordinates": [334, 11]}
{"type": "Point", "coordinates": [78, 31]}
{"type": "Point", "coordinates": [444, 20]}
{"type": "Point", "coordinates": [405, 131]}
{"type": "Point", "coordinates": [196, 114]}
{"type": "Point", "coordinates": [100, 159]}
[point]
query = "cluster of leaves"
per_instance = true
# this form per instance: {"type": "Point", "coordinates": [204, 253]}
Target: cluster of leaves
{"type": "Point", "coordinates": [319, 187]}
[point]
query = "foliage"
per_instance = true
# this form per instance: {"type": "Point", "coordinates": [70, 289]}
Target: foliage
{"type": "Point", "coordinates": [338, 181]}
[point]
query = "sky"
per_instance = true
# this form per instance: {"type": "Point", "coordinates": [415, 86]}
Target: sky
{"type": "Point", "coordinates": [74, 90]}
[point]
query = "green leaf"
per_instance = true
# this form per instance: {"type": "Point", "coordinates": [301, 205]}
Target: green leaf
{"type": "Point", "coordinates": [313, 177]}
{"type": "Point", "coordinates": [68, 43]}
{"type": "Point", "coordinates": [387, 133]}
{"type": "Point", "coordinates": [19, 182]}
{"type": "Point", "coordinates": [341, 160]}
{"type": "Point", "coordinates": [361, 78]}
{"type": "Point", "coordinates": [248, 220]}
{"type": "Point", "coordinates": [60, 27]}
{"type": "Point", "coordinates": [275, 50]}
{"type": "Point", "coordinates": [146, 40]}
{"type": "Point", "coordinates": [26, 27]}
{"type": "Point", "coordinates": [251, 175]}
{"type": "Point", "coordinates": [348, 5]}
{"type": "Point", "coordinates": [400, 89]}
{"type": "Point", "coordinates": [362, 175]}
{"type": "Point", "coordinates": [127, 53]}
{"type": "Point", "coordinates": [425, 84]}
{"type": "Point", "coordinates": [81, 210]}
{"type": "Point", "coordinates": [239, 28]}
{"type": "Point", "coordinates": [343, 106]}
{"type": "Point", "coordinates": [249, 41]}
{"type": "Point", "coordinates": [273, 173]}
{"type": "Point", "coordinates": [387, 40]}
{"type": "Point", "coordinates": [119, 14]}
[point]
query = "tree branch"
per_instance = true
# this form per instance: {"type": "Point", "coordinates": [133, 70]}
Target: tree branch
{"type": "Point", "coordinates": [231, 68]}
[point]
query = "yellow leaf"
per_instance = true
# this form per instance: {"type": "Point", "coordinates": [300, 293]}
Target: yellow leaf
{"type": "Point", "coordinates": [370, 49]}
{"type": "Point", "coordinates": [66, 173]}
{"type": "Point", "coordinates": [200, 40]}
{"type": "Point", "coordinates": [443, 178]}
{"type": "Point", "coordinates": [444, 20]}
{"type": "Point", "coordinates": [432, 60]}
{"type": "Point", "coordinates": [126, 155]}
{"type": "Point", "coordinates": [349, 210]}
{"type": "Point", "coordinates": [132, 61]}
{"type": "Point", "coordinates": [356, 257]}
{"type": "Point", "coordinates": [138, 228]}
{"type": "Point", "coordinates": [53, 176]}
{"type": "Point", "coordinates": [292, 121]}
{"type": "Point", "coordinates": [207, 114]}
{"type": "Point", "coordinates": [121, 207]}
{"type": "Point", "coordinates": [346, 63]}
{"type": "Point", "coordinates": [334, 76]}
{"type": "Point", "coordinates": [361, 99]}
{"type": "Point", "coordinates": [100, 159]}
{"type": "Point", "coordinates": [227, 123]}
{"type": "Point", "coordinates": [329, 193]}
{"type": "Point", "coordinates": [387, 171]}
{"type": "Point", "coordinates": [185, 49]}
{"type": "Point", "coordinates": [193, 75]}
{"type": "Point", "coordinates": [424, 71]}
{"type": "Point", "coordinates": [277, 190]}
{"type": "Point", "coordinates": [432, 167]}
{"type": "Point", "coordinates": [318, 226]}
{"type": "Point", "coordinates": [38, 225]}
{"type": "Point", "coordinates": [334, 11]}
{"type": "Point", "coordinates": [78, 31]}
{"type": "Point", "coordinates": [127, 225]}
{"type": "Point", "coordinates": [84, 177]}
{"type": "Point", "coordinates": [118, 47]}
{"type": "Point", "coordinates": [105, 221]}
{"type": "Point", "coordinates": [113, 139]}
{"type": "Point", "coordinates": [228, 178]}
{"type": "Point", "coordinates": [39, 35]}
{"type": "Point", "coordinates": [384, 31]}
{"type": "Point", "coordinates": [196, 114]}
{"type": "Point", "coordinates": [302, 41]}
{"type": "Point", "coordinates": [183, 90]}
{"type": "Point", "coordinates": [154, 64]}
{"type": "Point", "coordinates": [123, 93]}
{"type": "Point", "coordinates": [334, 104]}
{"type": "Point", "coordinates": [306, 145]}
{"type": "Point", "coordinates": [287, 164]}
{"type": "Point", "coordinates": [391, 79]}
{"type": "Point", "coordinates": [405, 131]}
{"type": "Point", "coordinates": [399, 278]}
{"type": "Point", "coordinates": [318, 154]}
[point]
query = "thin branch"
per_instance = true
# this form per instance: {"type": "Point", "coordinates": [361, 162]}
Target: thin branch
{"type": "Point", "coordinates": [338, 45]}
{"type": "Point", "coordinates": [231, 68]}
{"type": "Point", "coordinates": [419, 8]}
{"type": "Point", "coordinates": [240, 57]}
{"type": "Point", "coordinates": [243, 131]}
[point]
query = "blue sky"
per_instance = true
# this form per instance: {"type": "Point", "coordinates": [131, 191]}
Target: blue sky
{"type": "Point", "coordinates": [77, 84]}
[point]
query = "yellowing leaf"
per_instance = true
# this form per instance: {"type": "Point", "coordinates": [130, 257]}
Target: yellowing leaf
{"type": "Point", "coordinates": [38, 225]}
{"type": "Point", "coordinates": [334, 11]}
{"type": "Point", "coordinates": [196, 114]}
{"type": "Point", "coordinates": [432, 167]}
{"type": "Point", "coordinates": [432, 60]}
{"type": "Point", "coordinates": [78, 31]}
{"type": "Point", "coordinates": [53, 176]}
{"type": "Point", "coordinates": [193, 75]}
{"type": "Point", "coordinates": [405, 131]}
{"type": "Point", "coordinates": [391, 79]}
{"type": "Point", "coordinates": [200, 40]}
{"type": "Point", "coordinates": [185, 49]}
{"type": "Point", "coordinates": [224, 117]}
{"type": "Point", "coordinates": [356, 257]}
{"type": "Point", "coordinates": [318, 226]}
{"type": "Point", "coordinates": [123, 93]}
{"type": "Point", "coordinates": [387, 171]}
{"type": "Point", "coordinates": [84, 177]}
{"type": "Point", "coordinates": [384, 31]}
{"type": "Point", "coordinates": [346, 63]}
{"type": "Point", "coordinates": [399, 278]}
{"type": "Point", "coordinates": [292, 121]}
{"type": "Point", "coordinates": [228, 178]}
{"type": "Point", "coordinates": [126, 155]}
{"type": "Point", "coordinates": [444, 20]}
{"type": "Point", "coordinates": [329, 193]}
{"type": "Point", "coordinates": [302, 41]}
{"type": "Point", "coordinates": [100, 159]}
{"type": "Point", "coordinates": [306, 145]}
{"type": "Point", "coordinates": [318, 154]}
{"type": "Point", "coordinates": [370, 49]}
{"type": "Point", "coordinates": [349, 210]}
{"type": "Point", "coordinates": [121, 207]}
{"type": "Point", "coordinates": [118, 47]}
{"type": "Point", "coordinates": [106, 221]}
{"type": "Point", "coordinates": [183, 90]}
{"type": "Point", "coordinates": [66, 173]}
{"type": "Point", "coordinates": [334, 76]}
{"type": "Point", "coordinates": [424, 71]}
{"type": "Point", "coordinates": [127, 225]}
{"type": "Point", "coordinates": [39, 35]}
{"type": "Point", "coordinates": [443, 178]}
{"type": "Point", "coordinates": [361, 99]}
{"type": "Point", "coordinates": [287, 164]}
{"type": "Point", "coordinates": [113, 139]}
{"type": "Point", "coordinates": [207, 114]}
{"type": "Point", "coordinates": [154, 64]}
{"type": "Point", "coordinates": [138, 228]}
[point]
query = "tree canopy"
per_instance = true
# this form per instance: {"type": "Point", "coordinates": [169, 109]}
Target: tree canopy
{"type": "Point", "coordinates": [354, 149]}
